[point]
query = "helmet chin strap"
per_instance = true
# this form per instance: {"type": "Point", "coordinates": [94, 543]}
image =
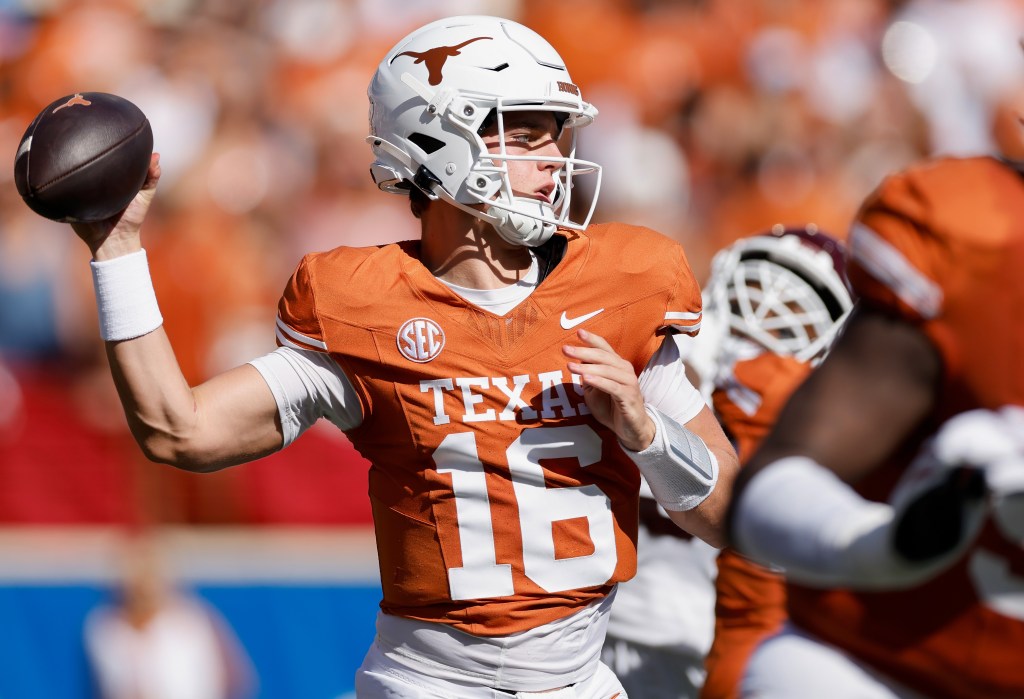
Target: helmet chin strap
{"type": "Point", "coordinates": [513, 227]}
{"type": "Point", "coordinates": [520, 228]}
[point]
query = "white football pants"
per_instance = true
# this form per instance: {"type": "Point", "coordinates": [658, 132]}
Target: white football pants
{"type": "Point", "coordinates": [381, 678]}
{"type": "Point", "coordinates": [795, 665]}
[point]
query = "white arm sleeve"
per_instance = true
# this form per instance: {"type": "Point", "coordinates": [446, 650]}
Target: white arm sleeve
{"type": "Point", "coordinates": [308, 385]}
{"type": "Point", "coordinates": [664, 384]}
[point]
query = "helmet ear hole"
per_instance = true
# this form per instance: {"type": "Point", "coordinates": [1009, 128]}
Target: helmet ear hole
{"type": "Point", "coordinates": [488, 121]}
{"type": "Point", "coordinates": [428, 144]}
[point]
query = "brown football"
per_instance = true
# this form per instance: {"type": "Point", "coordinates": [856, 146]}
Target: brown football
{"type": "Point", "coordinates": [84, 157]}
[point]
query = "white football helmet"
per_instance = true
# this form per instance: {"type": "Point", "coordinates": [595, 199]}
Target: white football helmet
{"type": "Point", "coordinates": [429, 100]}
{"type": "Point", "coordinates": [785, 291]}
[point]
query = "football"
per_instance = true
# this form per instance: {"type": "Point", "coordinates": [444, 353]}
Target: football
{"type": "Point", "coordinates": [84, 157]}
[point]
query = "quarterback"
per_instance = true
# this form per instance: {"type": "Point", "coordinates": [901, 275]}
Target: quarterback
{"type": "Point", "coordinates": [509, 375]}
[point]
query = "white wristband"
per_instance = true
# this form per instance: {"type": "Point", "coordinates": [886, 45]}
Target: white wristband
{"type": "Point", "coordinates": [125, 297]}
{"type": "Point", "coordinates": [679, 468]}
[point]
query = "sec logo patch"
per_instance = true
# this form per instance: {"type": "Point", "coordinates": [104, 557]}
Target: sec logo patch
{"type": "Point", "coordinates": [420, 340]}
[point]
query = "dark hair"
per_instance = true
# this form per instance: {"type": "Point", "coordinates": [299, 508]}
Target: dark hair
{"type": "Point", "coordinates": [418, 201]}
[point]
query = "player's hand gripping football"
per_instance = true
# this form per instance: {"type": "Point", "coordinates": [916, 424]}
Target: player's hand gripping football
{"type": "Point", "coordinates": [611, 390]}
{"type": "Point", "coordinates": [119, 234]}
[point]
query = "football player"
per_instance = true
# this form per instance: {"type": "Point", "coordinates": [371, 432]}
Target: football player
{"type": "Point", "coordinates": [889, 489]}
{"type": "Point", "coordinates": [508, 375]}
{"type": "Point", "coordinates": [776, 301]}
{"type": "Point", "coordinates": [772, 305]}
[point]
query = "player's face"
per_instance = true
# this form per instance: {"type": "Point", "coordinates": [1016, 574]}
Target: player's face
{"type": "Point", "coordinates": [533, 134]}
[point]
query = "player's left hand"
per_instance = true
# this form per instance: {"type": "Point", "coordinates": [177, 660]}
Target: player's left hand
{"type": "Point", "coordinates": [611, 390]}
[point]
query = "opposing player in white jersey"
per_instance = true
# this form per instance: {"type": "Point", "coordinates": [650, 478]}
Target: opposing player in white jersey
{"type": "Point", "coordinates": [505, 375]}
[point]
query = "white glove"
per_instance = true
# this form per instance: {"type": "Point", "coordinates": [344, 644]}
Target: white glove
{"type": "Point", "coordinates": [981, 437]}
{"type": "Point", "coordinates": [797, 514]}
{"type": "Point", "coordinates": [997, 440]}
{"type": "Point", "coordinates": [941, 501]}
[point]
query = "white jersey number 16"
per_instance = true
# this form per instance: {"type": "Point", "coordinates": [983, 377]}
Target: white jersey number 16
{"type": "Point", "coordinates": [539, 507]}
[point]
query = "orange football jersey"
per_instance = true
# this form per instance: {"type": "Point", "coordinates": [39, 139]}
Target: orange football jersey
{"type": "Point", "coordinates": [499, 502]}
{"type": "Point", "coordinates": [942, 245]}
{"type": "Point", "coordinates": [750, 600]}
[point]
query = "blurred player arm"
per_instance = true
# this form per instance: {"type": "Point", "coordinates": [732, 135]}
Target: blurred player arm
{"type": "Point", "coordinates": [230, 419]}
{"type": "Point", "coordinates": [876, 386]}
{"type": "Point", "coordinates": [793, 503]}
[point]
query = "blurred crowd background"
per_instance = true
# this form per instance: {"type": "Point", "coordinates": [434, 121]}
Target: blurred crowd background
{"type": "Point", "coordinates": [718, 119]}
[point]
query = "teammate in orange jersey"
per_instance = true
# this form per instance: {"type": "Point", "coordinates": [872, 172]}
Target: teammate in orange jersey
{"type": "Point", "coordinates": [773, 303]}
{"type": "Point", "coordinates": [890, 488]}
{"type": "Point", "coordinates": [508, 376]}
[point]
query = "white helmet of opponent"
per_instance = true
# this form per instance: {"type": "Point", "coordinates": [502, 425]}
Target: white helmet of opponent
{"type": "Point", "coordinates": [783, 291]}
{"type": "Point", "coordinates": [429, 100]}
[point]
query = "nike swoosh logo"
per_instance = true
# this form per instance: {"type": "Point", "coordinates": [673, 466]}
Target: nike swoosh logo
{"type": "Point", "coordinates": [570, 323]}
